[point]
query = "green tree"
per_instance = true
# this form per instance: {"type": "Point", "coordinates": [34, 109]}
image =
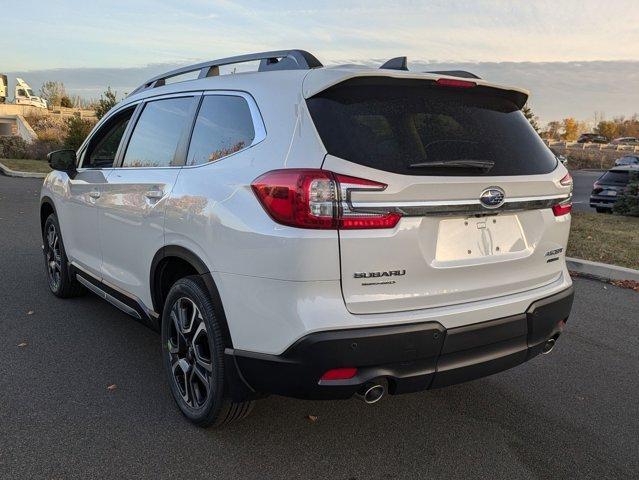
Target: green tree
{"type": "Point", "coordinates": [77, 130]}
{"type": "Point", "coordinates": [628, 202]}
{"type": "Point", "coordinates": [107, 101]}
{"type": "Point", "coordinates": [531, 117]}
{"type": "Point", "coordinates": [66, 101]}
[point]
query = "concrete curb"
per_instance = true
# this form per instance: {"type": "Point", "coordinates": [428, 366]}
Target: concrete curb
{"type": "Point", "coordinates": [601, 270]}
{"type": "Point", "coordinates": [13, 173]}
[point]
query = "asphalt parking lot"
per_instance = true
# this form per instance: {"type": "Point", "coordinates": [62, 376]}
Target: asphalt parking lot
{"type": "Point", "coordinates": [582, 183]}
{"type": "Point", "coordinates": [571, 414]}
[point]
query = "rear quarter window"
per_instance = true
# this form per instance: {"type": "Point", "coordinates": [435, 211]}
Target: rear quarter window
{"type": "Point", "coordinates": [223, 126]}
{"type": "Point", "coordinates": [392, 125]}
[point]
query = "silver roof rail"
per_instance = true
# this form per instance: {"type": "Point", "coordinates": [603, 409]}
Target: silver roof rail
{"type": "Point", "coordinates": [275, 60]}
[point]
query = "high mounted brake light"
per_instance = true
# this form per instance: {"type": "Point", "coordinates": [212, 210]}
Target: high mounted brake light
{"type": "Point", "coordinates": [319, 199]}
{"type": "Point", "coordinates": [450, 82]}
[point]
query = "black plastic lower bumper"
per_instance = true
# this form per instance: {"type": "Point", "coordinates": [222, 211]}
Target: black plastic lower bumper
{"type": "Point", "coordinates": [409, 358]}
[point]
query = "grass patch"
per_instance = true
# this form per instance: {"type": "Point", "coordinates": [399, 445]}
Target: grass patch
{"type": "Point", "coordinates": [605, 238]}
{"type": "Point", "coordinates": [38, 166]}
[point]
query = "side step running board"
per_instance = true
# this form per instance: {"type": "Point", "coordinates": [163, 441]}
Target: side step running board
{"type": "Point", "coordinates": [109, 298]}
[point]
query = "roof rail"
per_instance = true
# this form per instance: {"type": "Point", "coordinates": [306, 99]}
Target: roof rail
{"type": "Point", "coordinates": [457, 73]}
{"type": "Point", "coordinates": [275, 60]}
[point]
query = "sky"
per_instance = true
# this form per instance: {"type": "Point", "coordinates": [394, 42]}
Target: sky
{"type": "Point", "coordinates": [537, 42]}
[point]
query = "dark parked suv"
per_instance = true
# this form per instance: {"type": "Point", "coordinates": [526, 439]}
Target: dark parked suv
{"type": "Point", "coordinates": [609, 186]}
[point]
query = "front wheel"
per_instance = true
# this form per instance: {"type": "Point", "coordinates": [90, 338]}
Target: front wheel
{"type": "Point", "coordinates": [61, 283]}
{"type": "Point", "coordinates": [193, 351]}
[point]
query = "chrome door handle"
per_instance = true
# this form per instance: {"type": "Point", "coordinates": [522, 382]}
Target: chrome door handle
{"type": "Point", "coordinates": [154, 194]}
{"type": "Point", "coordinates": [94, 194]}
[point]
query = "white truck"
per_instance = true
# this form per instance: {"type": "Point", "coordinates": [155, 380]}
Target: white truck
{"type": "Point", "coordinates": [3, 88]}
{"type": "Point", "coordinates": [24, 95]}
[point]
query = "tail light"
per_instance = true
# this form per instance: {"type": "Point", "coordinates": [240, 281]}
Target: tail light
{"type": "Point", "coordinates": [311, 198]}
{"type": "Point", "coordinates": [564, 207]}
{"type": "Point", "coordinates": [561, 209]}
{"type": "Point", "coordinates": [567, 181]}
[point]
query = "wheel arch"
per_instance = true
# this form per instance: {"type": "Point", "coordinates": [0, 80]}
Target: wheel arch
{"type": "Point", "coordinates": [173, 262]}
{"type": "Point", "coordinates": [47, 207]}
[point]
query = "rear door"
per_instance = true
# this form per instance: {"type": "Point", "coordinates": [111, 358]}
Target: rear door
{"type": "Point", "coordinates": [133, 202]}
{"type": "Point", "coordinates": [473, 181]}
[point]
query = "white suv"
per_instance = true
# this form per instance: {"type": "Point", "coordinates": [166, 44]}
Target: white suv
{"type": "Point", "coordinates": [317, 232]}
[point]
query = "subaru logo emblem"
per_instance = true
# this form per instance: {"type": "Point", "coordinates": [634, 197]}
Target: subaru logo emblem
{"type": "Point", "coordinates": [492, 197]}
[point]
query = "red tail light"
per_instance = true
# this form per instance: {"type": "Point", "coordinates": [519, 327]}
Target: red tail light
{"type": "Point", "coordinates": [450, 82]}
{"type": "Point", "coordinates": [561, 209]}
{"type": "Point", "coordinates": [566, 181]}
{"type": "Point", "coordinates": [565, 207]}
{"type": "Point", "coordinates": [339, 374]}
{"type": "Point", "coordinates": [310, 198]}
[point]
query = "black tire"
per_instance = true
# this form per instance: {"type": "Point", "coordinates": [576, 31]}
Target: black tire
{"type": "Point", "coordinates": [193, 356]}
{"type": "Point", "coordinates": [601, 210]}
{"type": "Point", "coordinates": [61, 283]}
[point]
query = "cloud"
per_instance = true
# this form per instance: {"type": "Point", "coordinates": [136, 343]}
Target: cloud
{"type": "Point", "coordinates": [558, 89]}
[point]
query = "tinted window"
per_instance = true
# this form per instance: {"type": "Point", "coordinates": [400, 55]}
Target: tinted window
{"type": "Point", "coordinates": [157, 133]}
{"type": "Point", "coordinates": [104, 144]}
{"type": "Point", "coordinates": [223, 126]}
{"type": "Point", "coordinates": [391, 124]}
{"type": "Point", "coordinates": [614, 177]}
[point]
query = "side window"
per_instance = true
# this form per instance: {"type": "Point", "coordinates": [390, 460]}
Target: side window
{"type": "Point", "coordinates": [157, 133]}
{"type": "Point", "coordinates": [104, 144]}
{"type": "Point", "coordinates": [223, 126]}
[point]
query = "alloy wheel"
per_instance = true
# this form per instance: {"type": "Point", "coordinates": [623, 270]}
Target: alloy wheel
{"type": "Point", "coordinates": [54, 257]}
{"type": "Point", "coordinates": [189, 353]}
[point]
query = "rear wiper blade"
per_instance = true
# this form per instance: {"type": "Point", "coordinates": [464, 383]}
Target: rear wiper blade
{"type": "Point", "coordinates": [482, 164]}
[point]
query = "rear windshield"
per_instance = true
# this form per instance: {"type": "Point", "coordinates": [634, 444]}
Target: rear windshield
{"type": "Point", "coordinates": [614, 177]}
{"type": "Point", "coordinates": [415, 127]}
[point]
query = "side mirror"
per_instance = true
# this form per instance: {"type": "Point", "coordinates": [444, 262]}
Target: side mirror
{"type": "Point", "coordinates": [63, 160]}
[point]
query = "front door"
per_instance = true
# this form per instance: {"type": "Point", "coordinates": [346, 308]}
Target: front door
{"type": "Point", "coordinates": [79, 214]}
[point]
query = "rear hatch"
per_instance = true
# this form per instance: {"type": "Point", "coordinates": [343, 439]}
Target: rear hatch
{"type": "Point", "coordinates": [612, 183]}
{"type": "Point", "coordinates": [474, 183]}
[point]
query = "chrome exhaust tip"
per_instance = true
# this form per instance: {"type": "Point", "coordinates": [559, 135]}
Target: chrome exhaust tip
{"type": "Point", "coordinates": [371, 393]}
{"type": "Point", "coordinates": [548, 346]}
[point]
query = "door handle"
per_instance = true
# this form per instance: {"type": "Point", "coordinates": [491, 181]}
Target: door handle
{"type": "Point", "coordinates": [154, 194]}
{"type": "Point", "coordinates": [95, 194]}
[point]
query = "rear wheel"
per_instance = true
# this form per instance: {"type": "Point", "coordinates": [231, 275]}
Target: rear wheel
{"type": "Point", "coordinates": [602, 210]}
{"type": "Point", "coordinates": [61, 283]}
{"type": "Point", "coordinates": [193, 351]}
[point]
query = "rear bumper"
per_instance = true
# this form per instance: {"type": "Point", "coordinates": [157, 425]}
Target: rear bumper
{"type": "Point", "coordinates": [409, 358]}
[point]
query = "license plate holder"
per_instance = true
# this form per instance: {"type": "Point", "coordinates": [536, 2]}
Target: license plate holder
{"type": "Point", "coordinates": [472, 238]}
